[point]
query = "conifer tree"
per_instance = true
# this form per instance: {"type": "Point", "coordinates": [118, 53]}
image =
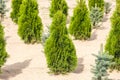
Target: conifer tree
{"type": "Point", "coordinates": [107, 7]}
{"type": "Point", "coordinates": [15, 10]}
{"type": "Point", "coordinates": [30, 25]}
{"type": "Point", "coordinates": [96, 16]}
{"type": "Point", "coordinates": [59, 49]}
{"type": "Point", "coordinates": [58, 5]}
{"type": "Point", "coordinates": [3, 53]}
{"type": "Point", "coordinates": [102, 63]}
{"type": "Point", "coordinates": [2, 9]}
{"type": "Point", "coordinates": [113, 41]}
{"type": "Point", "coordinates": [96, 3]}
{"type": "Point", "coordinates": [80, 25]}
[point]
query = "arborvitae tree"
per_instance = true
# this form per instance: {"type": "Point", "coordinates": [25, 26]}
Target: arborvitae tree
{"type": "Point", "coordinates": [80, 25]}
{"type": "Point", "coordinates": [3, 53]}
{"type": "Point", "coordinates": [30, 25]}
{"type": "Point", "coordinates": [113, 41]}
{"type": "Point", "coordinates": [58, 5]}
{"type": "Point", "coordinates": [59, 49]}
{"type": "Point", "coordinates": [103, 61]}
{"type": "Point", "coordinates": [97, 3]}
{"type": "Point", "coordinates": [15, 10]}
{"type": "Point", "coordinates": [96, 16]}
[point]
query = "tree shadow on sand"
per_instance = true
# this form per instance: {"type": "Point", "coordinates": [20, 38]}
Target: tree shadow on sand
{"type": "Point", "coordinates": [93, 36]}
{"type": "Point", "coordinates": [80, 66]}
{"type": "Point", "coordinates": [13, 70]}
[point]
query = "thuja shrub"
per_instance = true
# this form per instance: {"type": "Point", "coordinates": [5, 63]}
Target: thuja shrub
{"type": "Point", "coordinates": [3, 53]}
{"type": "Point", "coordinates": [30, 25]}
{"type": "Point", "coordinates": [58, 5]}
{"type": "Point", "coordinates": [15, 13]}
{"type": "Point", "coordinates": [97, 3]}
{"type": "Point", "coordinates": [59, 49]}
{"type": "Point", "coordinates": [80, 25]}
{"type": "Point", "coordinates": [113, 41]}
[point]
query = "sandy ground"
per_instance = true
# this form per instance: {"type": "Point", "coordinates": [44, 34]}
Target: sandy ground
{"type": "Point", "coordinates": [27, 62]}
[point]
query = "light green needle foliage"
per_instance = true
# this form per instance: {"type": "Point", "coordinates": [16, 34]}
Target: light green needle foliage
{"type": "Point", "coordinates": [80, 25]}
{"type": "Point", "coordinates": [59, 49]}
{"type": "Point", "coordinates": [58, 5]}
{"type": "Point", "coordinates": [15, 13]}
{"type": "Point", "coordinates": [3, 53]}
{"type": "Point", "coordinates": [30, 25]}
{"type": "Point", "coordinates": [113, 41]}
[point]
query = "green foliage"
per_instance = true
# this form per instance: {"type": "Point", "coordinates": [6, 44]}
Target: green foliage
{"type": "Point", "coordinates": [58, 5]}
{"type": "Point", "coordinates": [107, 7]}
{"type": "Point", "coordinates": [3, 53]}
{"type": "Point", "coordinates": [113, 41]}
{"type": "Point", "coordinates": [96, 16]}
{"type": "Point", "coordinates": [96, 3]}
{"type": "Point", "coordinates": [80, 25]}
{"type": "Point", "coordinates": [59, 49]}
{"type": "Point", "coordinates": [15, 10]}
{"type": "Point", "coordinates": [30, 25]}
{"type": "Point", "coordinates": [2, 9]}
{"type": "Point", "coordinates": [103, 61]}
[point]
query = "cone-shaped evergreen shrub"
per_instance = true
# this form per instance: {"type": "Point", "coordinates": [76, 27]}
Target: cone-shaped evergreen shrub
{"type": "Point", "coordinates": [102, 63]}
{"type": "Point", "coordinates": [58, 5]}
{"type": "Point", "coordinates": [15, 10]}
{"type": "Point", "coordinates": [59, 49]}
{"type": "Point", "coordinates": [80, 25]}
{"type": "Point", "coordinates": [97, 3]}
{"type": "Point", "coordinates": [30, 25]}
{"type": "Point", "coordinates": [96, 16]}
{"type": "Point", "coordinates": [3, 53]}
{"type": "Point", "coordinates": [113, 41]}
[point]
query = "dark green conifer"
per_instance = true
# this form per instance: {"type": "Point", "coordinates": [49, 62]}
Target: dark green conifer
{"type": "Point", "coordinates": [15, 10]}
{"type": "Point", "coordinates": [80, 25]}
{"type": "Point", "coordinates": [30, 25]}
{"type": "Point", "coordinates": [59, 49]}
{"type": "Point", "coordinates": [58, 5]}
